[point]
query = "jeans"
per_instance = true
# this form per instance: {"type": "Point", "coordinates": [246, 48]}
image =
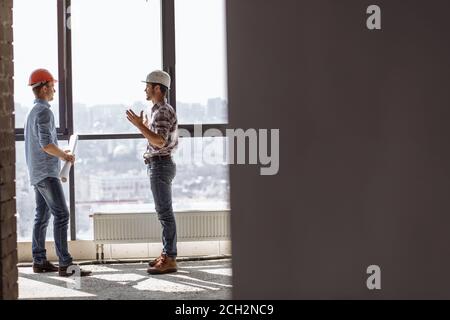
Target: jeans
{"type": "Point", "coordinates": [161, 173]}
{"type": "Point", "coordinates": [50, 200]}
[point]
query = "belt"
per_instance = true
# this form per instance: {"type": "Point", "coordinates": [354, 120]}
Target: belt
{"type": "Point", "coordinates": [155, 158]}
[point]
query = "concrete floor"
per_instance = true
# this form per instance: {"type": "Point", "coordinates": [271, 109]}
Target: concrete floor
{"type": "Point", "coordinates": [210, 279]}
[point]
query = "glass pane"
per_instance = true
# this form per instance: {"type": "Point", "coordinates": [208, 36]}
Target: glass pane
{"type": "Point", "coordinates": [201, 61]}
{"type": "Point", "coordinates": [112, 52]}
{"type": "Point", "coordinates": [202, 181]}
{"type": "Point", "coordinates": [110, 176]}
{"type": "Point", "coordinates": [35, 46]}
{"type": "Point", "coordinates": [25, 198]}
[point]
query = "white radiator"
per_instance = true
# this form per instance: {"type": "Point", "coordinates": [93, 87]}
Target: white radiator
{"type": "Point", "coordinates": [146, 228]}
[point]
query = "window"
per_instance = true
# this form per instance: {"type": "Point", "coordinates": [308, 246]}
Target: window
{"type": "Point", "coordinates": [114, 44]}
{"type": "Point", "coordinates": [35, 47]}
{"type": "Point", "coordinates": [202, 174]}
{"type": "Point", "coordinates": [112, 53]}
{"type": "Point", "coordinates": [200, 61]}
{"type": "Point", "coordinates": [110, 176]}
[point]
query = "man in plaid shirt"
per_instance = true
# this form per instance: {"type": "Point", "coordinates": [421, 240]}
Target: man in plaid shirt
{"type": "Point", "coordinates": [162, 135]}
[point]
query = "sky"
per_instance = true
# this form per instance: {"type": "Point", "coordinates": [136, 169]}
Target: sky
{"type": "Point", "coordinates": [115, 43]}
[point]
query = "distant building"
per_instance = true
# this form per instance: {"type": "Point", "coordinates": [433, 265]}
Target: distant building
{"type": "Point", "coordinates": [122, 187]}
{"type": "Point", "coordinates": [216, 110]}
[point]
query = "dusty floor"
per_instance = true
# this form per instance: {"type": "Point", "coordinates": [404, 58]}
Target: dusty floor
{"type": "Point", "coordinates": [209, 279]}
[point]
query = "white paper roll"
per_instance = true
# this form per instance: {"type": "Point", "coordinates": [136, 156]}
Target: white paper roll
{"type": "Point", "coordinates": [64, 174]}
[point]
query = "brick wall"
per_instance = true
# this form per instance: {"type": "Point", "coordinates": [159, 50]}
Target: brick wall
{"type": "Point", "coordinates": [8, 237]}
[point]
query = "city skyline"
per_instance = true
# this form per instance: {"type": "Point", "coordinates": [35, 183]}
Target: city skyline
{"type": "Point", "coordinates": [110, 174]}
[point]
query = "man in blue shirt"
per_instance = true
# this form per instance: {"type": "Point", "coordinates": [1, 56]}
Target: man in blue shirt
{"type": "Point", "coordinates": [43, 161]}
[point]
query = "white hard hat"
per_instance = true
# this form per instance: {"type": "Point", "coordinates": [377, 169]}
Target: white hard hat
{"type": "Point", "coordinates": [160, 77]}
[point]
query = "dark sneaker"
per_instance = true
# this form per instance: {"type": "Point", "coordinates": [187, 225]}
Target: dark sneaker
{"type": "Point", "coordinates": [154, 262]}
{"type": "Point", "coordinates": [164, 265]}
{"type": "Point", "coordinates": [63, 272]}
{"type": "Point", "coordinates": [47, 266]}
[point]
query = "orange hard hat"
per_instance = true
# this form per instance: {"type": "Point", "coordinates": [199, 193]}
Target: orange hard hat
{"type": "Point", "coordinates": [40, 76]}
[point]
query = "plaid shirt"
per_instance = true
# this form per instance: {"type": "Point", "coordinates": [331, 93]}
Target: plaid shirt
{"type": "Point", "coordinates": [163, 121]}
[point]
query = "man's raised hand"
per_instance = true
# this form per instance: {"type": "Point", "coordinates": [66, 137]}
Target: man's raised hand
{"type": "Point", "coordinates": [136, 120]}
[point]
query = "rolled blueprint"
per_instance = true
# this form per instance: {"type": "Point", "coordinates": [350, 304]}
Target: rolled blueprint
{"type": "Point", "coordinates": [64, 174]}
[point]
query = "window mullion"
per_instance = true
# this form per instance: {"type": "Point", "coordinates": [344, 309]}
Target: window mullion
{"type": "Point", "coordinates": [168, 45]}
{"type": "Point", "coordinates": [65, 94]}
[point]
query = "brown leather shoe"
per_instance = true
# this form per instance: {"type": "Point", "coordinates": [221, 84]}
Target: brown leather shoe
{"type": "Point", "coordinates": [155, 261]}
{"type": "Point", "coordinates": [47, 266]}
{"type": "Point", "coordinates": [164, 265]}
{"type": "Point", "coordinates": [63, 272]}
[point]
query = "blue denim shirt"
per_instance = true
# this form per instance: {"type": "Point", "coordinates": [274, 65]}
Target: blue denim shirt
{"type": "Point", "coordinates": [40, 131]}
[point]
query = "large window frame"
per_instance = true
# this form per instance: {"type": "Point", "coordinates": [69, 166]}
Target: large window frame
{"type": "Point", "coordinates": [66, 127]}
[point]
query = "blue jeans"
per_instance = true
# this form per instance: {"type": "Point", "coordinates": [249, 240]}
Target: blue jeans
{"type": "Point", "coordinates": [50, 200]}
{"type": "Point", "coordinates": [161, 173]}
